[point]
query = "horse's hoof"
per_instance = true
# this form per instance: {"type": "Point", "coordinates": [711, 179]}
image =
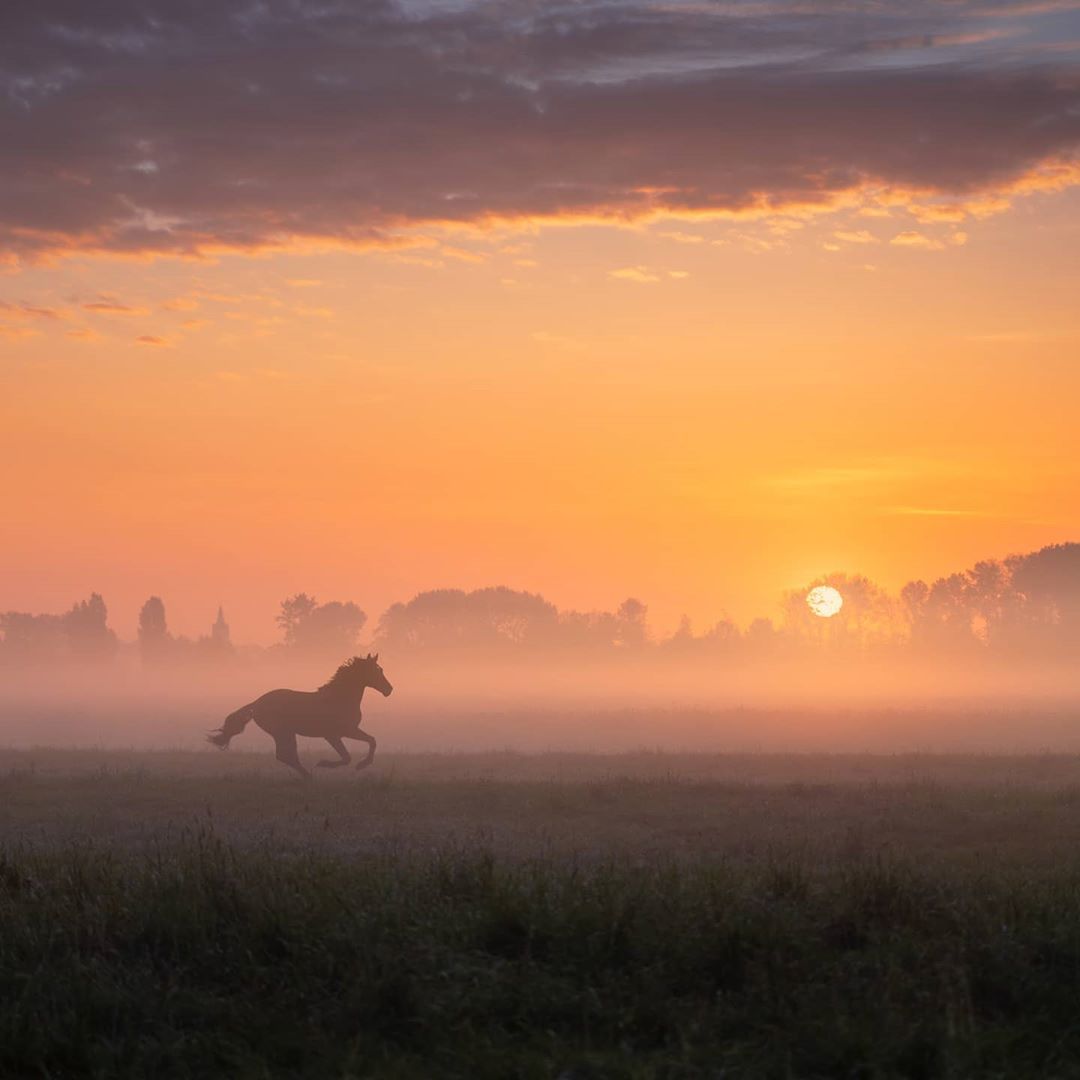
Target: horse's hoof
{"type": "Point", "coordinates": [362, 765]}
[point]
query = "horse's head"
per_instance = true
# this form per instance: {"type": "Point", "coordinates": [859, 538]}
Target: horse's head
{"type": "Point", "coordinates": [374, 674]}
{"type": "Point", "coordinates": [357, 673]}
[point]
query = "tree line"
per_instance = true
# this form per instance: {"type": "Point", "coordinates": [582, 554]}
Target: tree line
{"type": "Point", "coordinates": [1025, 605]}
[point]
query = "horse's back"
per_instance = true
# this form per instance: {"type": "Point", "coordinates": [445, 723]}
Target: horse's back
{"type": "Point", "coordinates": [296, 712]}
{"type": "Point", "coordinates": [280, 705]}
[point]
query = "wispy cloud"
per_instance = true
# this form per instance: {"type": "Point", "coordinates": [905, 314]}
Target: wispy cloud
{"type": "Point", "coordinates": [923, 242]}
{"type": "Point", "coordinates": [110, 306]}
{"type": "Point", "coordinates": [644, 275]}
{"type": "Point", "coordinates": [855, 236]}
{"type": "Point", "coordinates": [930, 511]}
{"type": "Point", "coordinates": [873, 475]}
{"type": "Point", "coordinates": [24, 311]}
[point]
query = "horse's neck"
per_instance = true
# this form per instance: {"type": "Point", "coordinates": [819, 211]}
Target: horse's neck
{"type": "Point", "coordinates": [348, 696]}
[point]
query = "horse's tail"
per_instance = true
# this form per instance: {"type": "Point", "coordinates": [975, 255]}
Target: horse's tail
{"type": "Point", "coordinates": [235, 722]}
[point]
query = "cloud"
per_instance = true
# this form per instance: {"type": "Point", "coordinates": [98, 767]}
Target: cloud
{"type": "Point", "coordinates": [109, 306]}
{"type": "Point", "coordinates": [162, 127]}
{"type": "Point", "coordinates": [930, 511]}
{"type": "Point", "coordinates": [645, 275]}
{"type": "Point", "coordinates": [181, 303]}
{"type": "Point", "coordinates": [683, 237]}
{"type": "Point", "coordinates": [29, 311]}
{"type": "Point", "coordinates": [1010, 337]}
{"type": "Point", "coordinates": [16, 333]}
{"type": "Point", "coordinates": [640, 274]}
{"type": "Point", "coordinates": [913, 239]}
{"type": "Point", "coordinates": [151, 339]}
{"type": "Point", "coordinates": [856, 236]}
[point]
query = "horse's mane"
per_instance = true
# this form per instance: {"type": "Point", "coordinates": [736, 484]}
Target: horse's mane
{"type": "Point", "coordinates": [347, 674]}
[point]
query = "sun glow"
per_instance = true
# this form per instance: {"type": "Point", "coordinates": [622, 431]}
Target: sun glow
{"type": "Point", "coordinates": [824, 600]}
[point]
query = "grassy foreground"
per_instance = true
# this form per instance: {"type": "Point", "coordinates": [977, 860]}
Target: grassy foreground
{"type": "Point", "coordinates": [202, 959]}
{"type": "Point", "coordinates": [199, 915]}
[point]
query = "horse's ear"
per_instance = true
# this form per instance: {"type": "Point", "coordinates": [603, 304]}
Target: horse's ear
{"type": "Point", "coordinates": [376, 658]}
{"type": "Point", "coordinates": [370, 657]}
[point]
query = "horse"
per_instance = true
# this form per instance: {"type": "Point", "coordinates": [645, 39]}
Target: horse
{"type": "Point", "coordinates": [332, 713]}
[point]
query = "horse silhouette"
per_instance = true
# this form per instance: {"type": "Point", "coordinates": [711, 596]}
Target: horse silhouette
{"type": "Point", "coordinates": [332, 713]}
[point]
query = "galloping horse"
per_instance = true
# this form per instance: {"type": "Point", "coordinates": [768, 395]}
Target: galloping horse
{"type": "Point", "coordinates": [332, 713]}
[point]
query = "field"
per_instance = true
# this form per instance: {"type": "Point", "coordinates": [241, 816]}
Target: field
{"type": "Point", "coordinates": [187, 914]}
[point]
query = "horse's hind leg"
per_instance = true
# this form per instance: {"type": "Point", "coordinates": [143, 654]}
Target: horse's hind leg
{"type": "Point", "coordinates": [344, 757]}
{"type": "Point", "coordinates": [363, 736]}
{"type": "Point", "coordinates": [287, 755]}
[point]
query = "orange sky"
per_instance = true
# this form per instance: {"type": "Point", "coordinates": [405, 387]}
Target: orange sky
{"type": "Point", "coordinates": [362, 427]}
{"type": "Point", "coordinates": [698, 407]}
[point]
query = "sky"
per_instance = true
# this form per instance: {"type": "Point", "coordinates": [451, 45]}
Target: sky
{"type": "Point", "coordinates": [688, 301]}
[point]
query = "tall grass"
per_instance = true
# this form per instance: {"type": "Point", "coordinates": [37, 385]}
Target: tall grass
{"type": "Point", "coordinates": [202, 959]}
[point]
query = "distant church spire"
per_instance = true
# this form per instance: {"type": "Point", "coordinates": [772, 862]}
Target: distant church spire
{"type": "Point", "coordinates": [219, 632]}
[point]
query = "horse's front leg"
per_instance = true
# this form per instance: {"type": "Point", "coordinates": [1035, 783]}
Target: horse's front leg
{"type": "Point", "coordinates": [344, 756]}
{"type": "Point", "coordinates": [363, 736]}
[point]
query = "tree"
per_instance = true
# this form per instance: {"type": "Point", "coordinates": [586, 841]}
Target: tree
{"type": "Point", "coordinates": [295, 610]}
{"type": "Point", "coordinates": [762, 637]}
{"type": "Point", "coordinates": [633, 632]}
{"type": "Point", "coordinates": [867, 618]}
{"type": "Point", "coordinates": [1046, 591]}
{"type": "Point", "coordinates": [154, 639]}
{"type": "Point", "coordinates": [89, 637]}
{"type": "Point", "coordinates": [329, 629]}
{"type": "Point", "coordinates": [33, 637]}
{"type": "Point", "coordinates": [495, 617]}
{"type": "Point", "coordinates": [588, 629]}
{"type": "Point", "coordinates": [913, 601]}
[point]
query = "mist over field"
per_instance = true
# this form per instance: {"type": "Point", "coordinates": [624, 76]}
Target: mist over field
{"type": "Point", "coordinates": [984, 660]}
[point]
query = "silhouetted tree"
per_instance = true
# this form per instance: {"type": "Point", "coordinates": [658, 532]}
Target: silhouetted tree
{"type": "Point", "coordinates": [722, 637]}
{"type": "Point", "coordinates": [1046, 587]}
{"type": "Point", "coordinates": [632, 631]}
{"type": "Point", "coordinates": [485, 618]}
{"type": "Point", "coordinates": [154, 640]}
{"type": "Point", "coordinates": [329, 629]}
{"type": "Point", "coordinates": [588, 630]}
{"type": "Point", "coordinates": [948, 613]}
{"type": "Point", "coordinates": [80, 634]}
{"type": "Point", "coordinates": [867, 618]}
{"type": "Point", "coordinates": [33, 637]}
{"type": "Point", "coordinates": [762, 637]}
{"type": "Point", "coordinates": [683, 637]}
{"type": "Point", "coordinates": [913, 607]}
{"type": "Point", "coordinates": [89, 636]}
{"type": "Point", "coordinates": [294, 611]}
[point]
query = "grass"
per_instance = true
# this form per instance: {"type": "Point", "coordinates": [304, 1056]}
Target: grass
{"type": "Point", "coordinates": [188, 916]}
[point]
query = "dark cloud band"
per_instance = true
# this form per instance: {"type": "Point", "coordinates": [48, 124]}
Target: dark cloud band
{"type": "Point", "coordinates": [179, 127]}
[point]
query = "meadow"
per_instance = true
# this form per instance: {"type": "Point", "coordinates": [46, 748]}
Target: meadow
{"type": "Point", "coordinates": [183, 914]}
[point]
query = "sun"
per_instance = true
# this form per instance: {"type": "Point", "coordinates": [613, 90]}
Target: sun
{"type": "Point", "coordinates": [824, 600]}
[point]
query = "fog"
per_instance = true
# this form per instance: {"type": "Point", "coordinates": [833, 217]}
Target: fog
{"type": "Point", "coordinates": [982, 660]}
{"type": "Point", "coordinates": [474, 702]}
